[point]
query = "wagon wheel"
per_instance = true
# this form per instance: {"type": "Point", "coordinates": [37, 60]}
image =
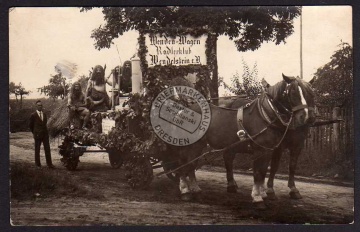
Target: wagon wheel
{"type": "Point", "coordinates": [168, 166]}
{"type": "Point", "coordinates": [115, 159]}
{"type": "Point", "coordinates": [138, 171]}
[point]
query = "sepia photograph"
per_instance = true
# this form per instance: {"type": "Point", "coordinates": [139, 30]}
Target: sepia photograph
{"type": "Point", "coordinates": [181, 115]}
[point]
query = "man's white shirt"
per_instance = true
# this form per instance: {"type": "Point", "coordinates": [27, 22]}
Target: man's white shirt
{"type": "Point", "coordinates": [40, 113]}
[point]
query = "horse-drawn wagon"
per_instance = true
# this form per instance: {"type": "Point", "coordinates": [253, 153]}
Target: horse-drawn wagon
{"type": "Point", "coordinates": [176, 92]}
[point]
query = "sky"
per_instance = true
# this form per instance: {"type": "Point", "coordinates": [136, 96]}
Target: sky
{"type": "Point", "coordinates": [40, 38]}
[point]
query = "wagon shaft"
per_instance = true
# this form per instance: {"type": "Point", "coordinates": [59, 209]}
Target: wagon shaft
{"type": "Point", "coordinates": [326, 122]}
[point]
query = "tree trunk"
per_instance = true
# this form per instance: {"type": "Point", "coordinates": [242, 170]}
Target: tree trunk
{"type": "Point", "coordinates": [21, 101]}
{"type": "Point", "coordinates": [213, 66]}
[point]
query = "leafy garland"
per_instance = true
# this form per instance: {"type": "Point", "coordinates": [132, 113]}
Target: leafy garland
{"type": "Point", "coordinates": [155, 80]}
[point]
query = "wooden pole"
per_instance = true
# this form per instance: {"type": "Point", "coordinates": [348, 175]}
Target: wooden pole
{"type": "Point", "coordinates": [336, 131]}
{"type": "Point", "coordinates": [301, 55]}
{"type": "Point", "coordinates": [113, 91]}
{"type": "Point", "coordinates": [119, 84]}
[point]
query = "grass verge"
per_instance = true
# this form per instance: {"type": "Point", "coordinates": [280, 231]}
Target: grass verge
{"type": "Point", "coordinates": [28, 182]}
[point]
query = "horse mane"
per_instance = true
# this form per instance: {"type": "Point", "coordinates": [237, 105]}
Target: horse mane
{"type": "Point", "coordinates": [276, 90]}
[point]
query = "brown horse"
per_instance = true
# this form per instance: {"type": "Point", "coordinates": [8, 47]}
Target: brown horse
{"type": "Point", "coordinates": [293, 141]}
{"type": "Point", "coordinates": [264, 125]}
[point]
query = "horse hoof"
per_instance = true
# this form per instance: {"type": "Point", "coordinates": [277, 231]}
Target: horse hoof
{"type": "Point", "coordinates": [259, 205]}
{"type": "Point", "coordinates": [271, 196]}
{"type": "Point", "coordinates": [264, 195]}
{"type": "Point", "coordinates": [186, 197]}
{"type": "Point", "coordinates": [232, 189]}
{"type": "Point", "coordinates": [295, 195]}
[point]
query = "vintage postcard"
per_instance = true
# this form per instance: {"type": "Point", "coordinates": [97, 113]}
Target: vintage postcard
{"type": "Point", "coordinates": [181, 115]}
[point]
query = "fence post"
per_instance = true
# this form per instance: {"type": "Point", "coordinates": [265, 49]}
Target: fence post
{"type": "Point", "coordinates": [336, 131]}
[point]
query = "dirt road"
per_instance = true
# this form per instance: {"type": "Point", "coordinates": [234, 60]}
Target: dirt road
{"type": "Point", "coordinates": [117, 204]}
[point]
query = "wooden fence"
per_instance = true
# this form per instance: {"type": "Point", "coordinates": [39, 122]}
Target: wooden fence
{"type": "Point", "coordinates": [334, 141]}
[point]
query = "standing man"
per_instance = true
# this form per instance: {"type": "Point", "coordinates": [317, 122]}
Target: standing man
{"type": "Point", "coordinates": [39, 129]}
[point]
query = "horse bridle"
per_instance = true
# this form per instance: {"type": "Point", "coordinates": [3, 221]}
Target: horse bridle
{"type": "Point", "coordinates": [295, 108]}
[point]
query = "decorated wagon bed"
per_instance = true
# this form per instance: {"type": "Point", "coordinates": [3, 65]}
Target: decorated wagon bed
{"type": "Point", "coordinates": [120, 134]}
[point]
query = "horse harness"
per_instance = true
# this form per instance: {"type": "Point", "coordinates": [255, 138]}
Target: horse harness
{"type": "Point", "coordinates": [242, 132]}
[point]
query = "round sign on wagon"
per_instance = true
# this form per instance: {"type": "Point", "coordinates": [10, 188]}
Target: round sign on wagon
{"type": "Point", "coordinates": [175, 123]}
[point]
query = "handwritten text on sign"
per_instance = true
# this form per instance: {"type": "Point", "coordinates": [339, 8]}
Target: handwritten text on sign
{"type": "Point", "coordinates": [179, 50]}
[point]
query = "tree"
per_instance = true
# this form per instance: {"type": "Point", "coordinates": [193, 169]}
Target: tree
{"type": "Point", "coordinates": [83, 80]}
{"type": "Point", "coordinates": [248, 84]}
{"type": "Point", "coordinates": [18, 90]}
{"type": "Point", "coordinates": [247, 26]}
{"type": "Point", "coordinates": [12, 89]}
{"type": "Point", "coordinates": [57, 87]}
{"type": "Point", "coordinates": [333, 83]}
{"type": "Point", "coordinates": [21, 91]}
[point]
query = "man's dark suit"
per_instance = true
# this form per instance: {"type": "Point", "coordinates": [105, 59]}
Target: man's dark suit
{"type": "Point", "coordinates": [39, 129]}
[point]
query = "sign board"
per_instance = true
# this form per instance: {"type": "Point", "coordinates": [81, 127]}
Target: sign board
{"type": "Point", "coordinates": [179, 50]}
{"type": "Point", "coordinates": [107, 125]}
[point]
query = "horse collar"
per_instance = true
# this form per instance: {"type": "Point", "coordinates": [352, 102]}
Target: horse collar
{"type": "Point", "coordinates": [273, 109]}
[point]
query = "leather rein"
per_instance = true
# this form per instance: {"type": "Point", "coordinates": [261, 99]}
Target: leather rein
{"type": "Point", "coordinates": [270, 122]}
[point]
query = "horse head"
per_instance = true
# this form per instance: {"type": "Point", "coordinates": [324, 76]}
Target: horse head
{"type": "Point", "coordinates": [300, 97]}
{"type": "Point", "coordinates": [296, 98]}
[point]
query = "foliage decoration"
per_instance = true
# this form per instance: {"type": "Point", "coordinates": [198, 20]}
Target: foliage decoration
{"type": "Point", "coordinates": [120, 138]}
